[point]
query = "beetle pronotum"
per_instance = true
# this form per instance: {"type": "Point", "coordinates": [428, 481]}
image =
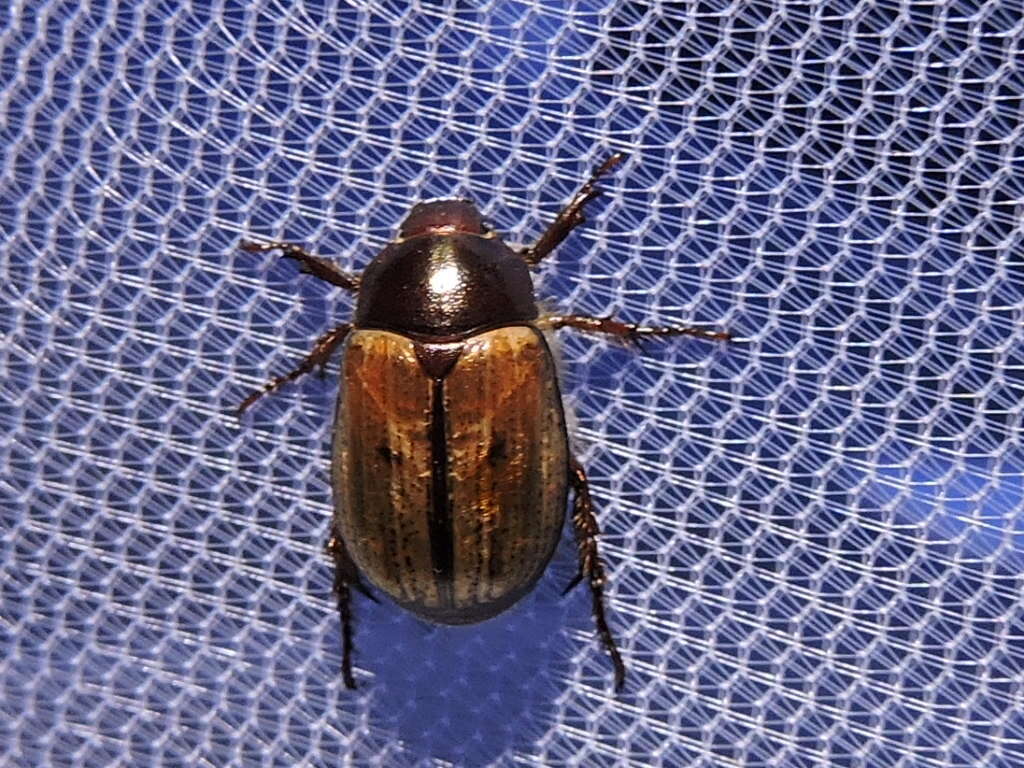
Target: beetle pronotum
{"type": "Point", "coordinates": [451, 462]}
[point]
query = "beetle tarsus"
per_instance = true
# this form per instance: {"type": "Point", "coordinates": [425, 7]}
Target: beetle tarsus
{"type": "Point", "coordinates": [346, 575]}
{"type": "Point", "coordinates": [572, 215]}
{"type": "Point", "coordinates": [312, 265]}
{"type": "Point", "coordinates": [586, 528]}
{"type": "Point", "coordinates": [631, 333]}
{"type": "Point", "coordinates": [319, 357]}
{"type": "Point", "coordinates": [341, 592]}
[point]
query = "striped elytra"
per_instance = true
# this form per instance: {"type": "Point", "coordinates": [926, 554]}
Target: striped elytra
{"type": "Point", "coordinates": [450, 491]}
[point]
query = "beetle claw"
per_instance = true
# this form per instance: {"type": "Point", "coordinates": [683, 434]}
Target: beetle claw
{"type": "Point", "coordinates": [364, 591]}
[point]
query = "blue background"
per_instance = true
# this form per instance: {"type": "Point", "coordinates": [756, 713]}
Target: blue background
{"type": "Point", "coordinates": [813, 534]}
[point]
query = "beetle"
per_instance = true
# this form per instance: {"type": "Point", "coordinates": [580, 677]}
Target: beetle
{"type": "Point", "coordinates": [451, 462]}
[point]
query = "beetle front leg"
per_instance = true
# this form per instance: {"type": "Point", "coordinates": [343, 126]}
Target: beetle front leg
{"type": "Point", "coordinates": [322, 351]}
{"type": "Point", "coordinates": [586, 529]}
{"type": "Point", "coordinates": [308, 263]}
{"type": "Point", "coordinates": [629, 332]}
{"type": "Point", "coordinates": [571, 216]}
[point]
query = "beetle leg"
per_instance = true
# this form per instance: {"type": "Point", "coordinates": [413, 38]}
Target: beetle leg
{"type": "Point", "coordinates": [571, 216]}
{"type": "Point", "coordinates": [344, 598]}
{"type": "Point", "coordinates": [322, 351]}
{"type": "Point", "coordinates": [308, 263]}
{"type": "Point", "coordinates": [629, 332]}
{"type": "Point", "coordinates": [586, 528]}
{"type": "Point", "coordinates": [345, 575]}
{"type": "Point", "coordinates": [344, 565]}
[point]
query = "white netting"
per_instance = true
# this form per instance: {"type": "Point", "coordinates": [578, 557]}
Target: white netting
{"type": "Point", "coordinates": [813, 536]}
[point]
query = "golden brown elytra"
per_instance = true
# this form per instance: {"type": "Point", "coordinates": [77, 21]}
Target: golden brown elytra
{"type": "Point", "coordinates": [451, 463]}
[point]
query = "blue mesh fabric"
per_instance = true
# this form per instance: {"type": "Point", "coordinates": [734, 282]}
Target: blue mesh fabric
{"type": "Point", "coordinates": [813, 535]}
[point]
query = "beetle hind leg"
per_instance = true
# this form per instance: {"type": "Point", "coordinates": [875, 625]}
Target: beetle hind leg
{"type": "Point", "coordinates": [586, 529]}
{"type": "Point", "coordinates": [346, 576]}
{"type": "Point", "coordinates": [318, 358]}
{"type": "Point", "coordinates": [344, 598]}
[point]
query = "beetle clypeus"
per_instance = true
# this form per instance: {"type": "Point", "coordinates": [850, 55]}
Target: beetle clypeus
{"type": "Point", "coordinates": [451, 462]}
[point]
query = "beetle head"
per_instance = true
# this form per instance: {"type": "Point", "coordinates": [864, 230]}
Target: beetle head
{"type": "Point", "coordinates": [443, 217]}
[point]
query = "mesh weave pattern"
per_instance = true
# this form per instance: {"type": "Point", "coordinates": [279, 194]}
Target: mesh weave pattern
{"type": "Point", "coordinates": [813, 535]}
